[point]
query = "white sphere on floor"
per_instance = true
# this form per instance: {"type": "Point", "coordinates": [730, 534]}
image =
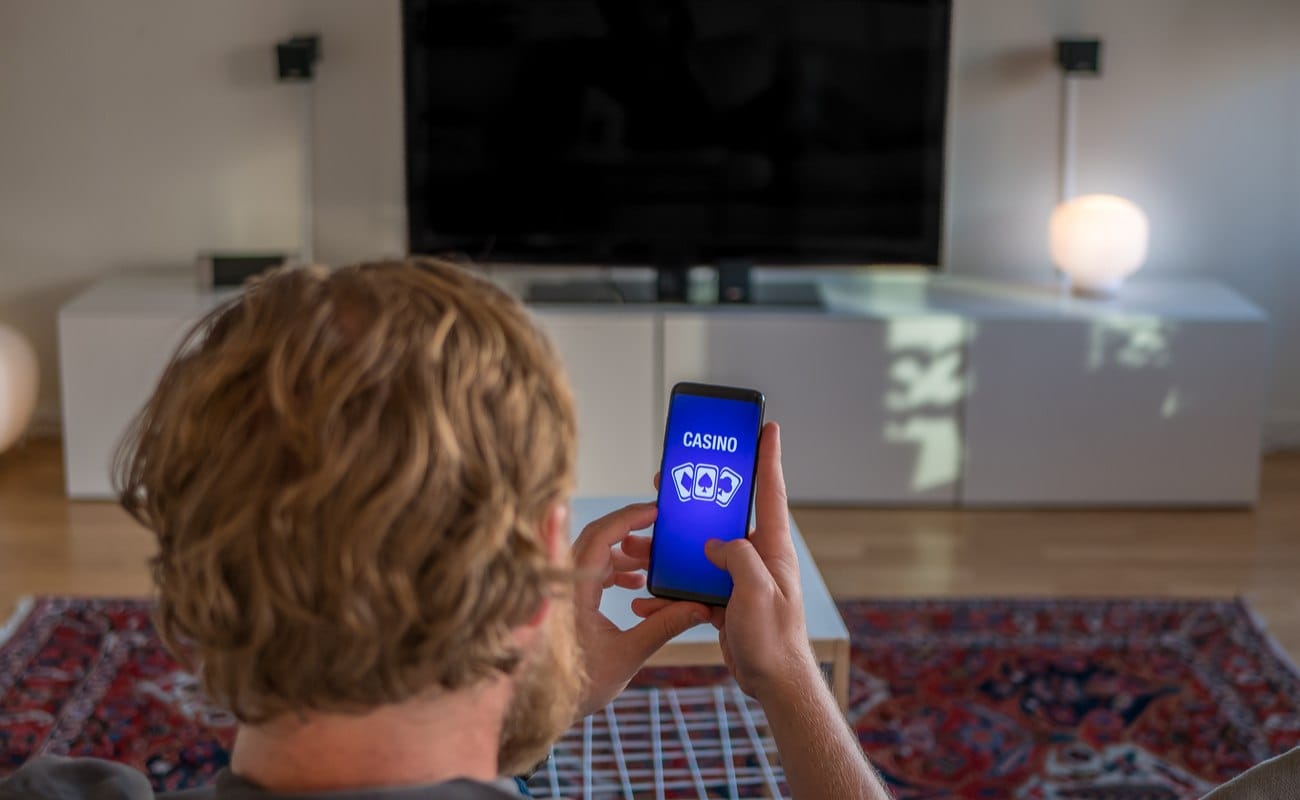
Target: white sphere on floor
{"type": "Point", "coordinates": [18, 380]}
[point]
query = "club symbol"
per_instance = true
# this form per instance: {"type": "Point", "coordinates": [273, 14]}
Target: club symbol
{"type": "Point", "coordinates": [728, 486]}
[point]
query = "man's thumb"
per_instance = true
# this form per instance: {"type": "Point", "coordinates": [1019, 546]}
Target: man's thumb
{"type": "Point", "coordinates": [656, 630]}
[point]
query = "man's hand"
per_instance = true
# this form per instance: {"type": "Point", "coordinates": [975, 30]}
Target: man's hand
{"type": "Point", "coordinates": [765, 644]}
{"type": "Point", "coordinates": [762, 631]}
{"type": "Point", "coordinates": [607, 554]}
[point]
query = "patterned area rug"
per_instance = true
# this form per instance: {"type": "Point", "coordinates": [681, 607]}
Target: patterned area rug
{"type": "Point", "coordinates": [952, 698]}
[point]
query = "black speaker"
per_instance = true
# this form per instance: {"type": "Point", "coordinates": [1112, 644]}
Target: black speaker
{"type": "Point", "coordinates": [672, 283]}
{"type": "Point", "coordinates": [295, 59]}
{"type": "Point", "coordinates": [734, 282]}
{"type": "Point", "coordinates": [225, 269]}
{"type": "Point", "coordinates": [1079, 56]}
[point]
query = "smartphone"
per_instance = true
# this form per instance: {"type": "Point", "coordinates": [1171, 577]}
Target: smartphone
{"type": "Point", "coordinates": [706, 487]}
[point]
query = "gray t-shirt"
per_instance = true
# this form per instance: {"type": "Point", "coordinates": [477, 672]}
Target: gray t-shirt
{"type": "Point", "coordinates": [1275, 779]}
{"type": "Point", "coordinates": [49, 778]}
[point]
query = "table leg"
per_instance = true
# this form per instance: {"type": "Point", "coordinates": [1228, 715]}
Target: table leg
{"type": "Point", "coordinates": [840, 674]}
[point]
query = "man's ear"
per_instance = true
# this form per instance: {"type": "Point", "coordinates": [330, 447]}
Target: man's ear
{"type": "Point", "coordinates": [555, 537]}
{"type": "Point", "coordinates": [555, 534]}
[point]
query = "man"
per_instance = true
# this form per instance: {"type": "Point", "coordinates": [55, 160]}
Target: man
{"type": "Point", "coordinates": [359, 483]}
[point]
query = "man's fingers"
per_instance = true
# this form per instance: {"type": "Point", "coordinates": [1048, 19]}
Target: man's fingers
{"type": "Point", "coordinates": [656, 630]}
{"type": "Point", "coordinates": [718, 617]}
{"type": "Point", "coordinates": [637, 546]}
{"type": "Point", "coordinates": [626, 563]}
{"type": "Point", "coordinates": [655, 481]}
{"type": "Point", "coordinates": [739, 558]}
{"type": "Point", "coordinates": [770, 506]}
{"type": "Point", "coordinates": [645, 606]}
{"type": "Point", "coordinates": [771, 536]}
{"type": "Point", "coordinates": [593, 557]}
{"type": "Point", "coordinates": [629, 580]}
{"type": "Point", "coordinates": [591, 550]}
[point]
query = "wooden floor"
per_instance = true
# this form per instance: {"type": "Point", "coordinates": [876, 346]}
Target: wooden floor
{"type": "Point", "coordinates": [51, 545]}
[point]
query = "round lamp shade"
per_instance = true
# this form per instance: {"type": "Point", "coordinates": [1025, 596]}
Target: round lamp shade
{"type": "Point", "coordinates": [17, 386]}
{"type": "Point", "coordinates": [1099, 240]}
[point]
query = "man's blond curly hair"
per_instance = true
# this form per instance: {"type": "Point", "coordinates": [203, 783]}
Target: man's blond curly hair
{"type": "Point", "coordinates": [347, 472]}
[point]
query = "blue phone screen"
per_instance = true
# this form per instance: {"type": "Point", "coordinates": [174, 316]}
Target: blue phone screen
{"type": "Point", "coordinates": [704, 490]}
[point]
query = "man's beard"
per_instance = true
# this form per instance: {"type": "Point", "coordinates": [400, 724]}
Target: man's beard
{"type": "Point", "coordinates": [547, 689]}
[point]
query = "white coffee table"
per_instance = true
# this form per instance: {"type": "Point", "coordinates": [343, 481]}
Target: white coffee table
{"type": "Point", "coordinates": [699, 645]}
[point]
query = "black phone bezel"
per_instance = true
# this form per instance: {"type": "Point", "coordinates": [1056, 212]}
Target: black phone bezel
{"type": "Point", "coordinates": [725, 393]}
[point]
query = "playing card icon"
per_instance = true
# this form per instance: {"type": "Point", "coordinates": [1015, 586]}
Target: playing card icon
{"type": "Point", "coordinates": [706, 482]}
{"type": "Point", "coordinates": [728, 486]}
{"type": "Point", "coordinates": [684, 481]}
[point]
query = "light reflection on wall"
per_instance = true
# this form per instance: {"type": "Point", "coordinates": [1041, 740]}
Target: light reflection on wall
{"type": "Point", "coordinates": [926, 387]}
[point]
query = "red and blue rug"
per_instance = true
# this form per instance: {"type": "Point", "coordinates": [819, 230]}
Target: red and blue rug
{"type": "Point", "coordinates": [952, 698]}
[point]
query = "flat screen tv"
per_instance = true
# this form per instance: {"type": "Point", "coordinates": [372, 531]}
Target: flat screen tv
{"type": "Point", "coordinates": [676, 132]}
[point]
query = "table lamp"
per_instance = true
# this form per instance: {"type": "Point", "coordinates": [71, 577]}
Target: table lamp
{"type": "Point", "coordinates": [1098, 240]}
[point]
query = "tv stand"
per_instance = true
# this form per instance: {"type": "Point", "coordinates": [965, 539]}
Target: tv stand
{"type": "Point", "coordinates": [906, 388]}
{"type": "Point", "coordinates": [738, 285]}
{"type": "Point", "coordinates": [671, 285]}
{"type": "Point", "coordinates": [787, 294]}
{"type": "Point", "coordinates": [589, 290]}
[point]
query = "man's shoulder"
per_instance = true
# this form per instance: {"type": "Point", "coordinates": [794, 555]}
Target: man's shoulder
{"type": "Point", "coordinates": [50, 778]}
{"type": "Point", "coordinates": [1275, 779]}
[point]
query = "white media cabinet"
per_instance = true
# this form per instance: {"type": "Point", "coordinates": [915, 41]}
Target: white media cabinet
{"type": "Point", "coordinates": [904, 389]}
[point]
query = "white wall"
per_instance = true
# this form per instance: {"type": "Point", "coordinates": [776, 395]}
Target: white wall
{"type": "Point", "coordinates": [139, 131]}
{"type": "Point", "coordinates": [134, 133]}
{"type": "Point", "coordinates": [1196, 118]}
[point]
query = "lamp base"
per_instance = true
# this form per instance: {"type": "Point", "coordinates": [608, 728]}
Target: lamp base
{"type": "Point", "coordinates": [1096, 291]}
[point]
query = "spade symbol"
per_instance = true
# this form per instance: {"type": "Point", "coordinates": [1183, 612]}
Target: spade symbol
{"type": "Point", "coordinates": [706, 482]}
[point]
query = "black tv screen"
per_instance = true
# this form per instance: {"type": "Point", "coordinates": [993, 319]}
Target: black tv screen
{"type": "Point", "coordinates": [676, 131]}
